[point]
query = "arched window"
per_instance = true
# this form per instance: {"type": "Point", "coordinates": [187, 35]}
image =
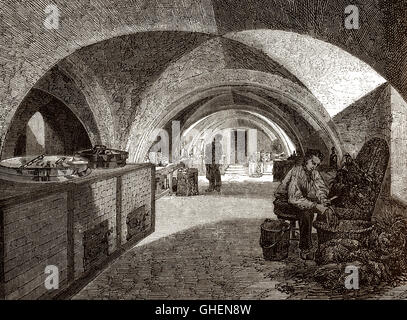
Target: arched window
{"type": "Point", "coordinates": [35, 135]}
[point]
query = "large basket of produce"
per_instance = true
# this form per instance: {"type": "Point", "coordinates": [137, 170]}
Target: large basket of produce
{"type": "Point", "coordinates": [345, 229]}
{"type": "Point", "coordinates": [358, 182]}
{"type": "Point", "coordinates": [351, 214]}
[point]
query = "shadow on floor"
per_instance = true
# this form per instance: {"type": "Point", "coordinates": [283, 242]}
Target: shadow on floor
{"type": "Point", "coordinates": [251, 190]}
{"type": "Point", "coordinates": [220, 260]}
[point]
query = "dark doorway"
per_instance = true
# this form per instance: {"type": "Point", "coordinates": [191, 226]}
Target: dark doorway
{"type": "Point", "coordinates": [20, 148]}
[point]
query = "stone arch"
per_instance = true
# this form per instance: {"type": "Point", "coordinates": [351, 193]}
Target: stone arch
{"type": "Point", "coordinates": [64, 128]}
{"type": "Point", "coordinates": [57, 84]}
{"type": "Point", "coordinates": [261, 114]}
{"type": "Point", "coordinates": [272, 113]}
{"type": "Point", "coordinates": [286, 91]}
{"type": "Point", "coordinates": [94, 94]}
{"type": "Point", "coordinates": [216, 121]}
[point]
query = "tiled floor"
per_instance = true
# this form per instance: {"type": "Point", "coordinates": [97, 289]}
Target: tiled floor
{"type": "Point", "coordinates": [207, 247]}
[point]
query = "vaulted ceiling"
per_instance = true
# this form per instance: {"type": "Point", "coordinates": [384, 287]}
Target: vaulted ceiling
{"type": "Point", "coordinates": [150, 62]}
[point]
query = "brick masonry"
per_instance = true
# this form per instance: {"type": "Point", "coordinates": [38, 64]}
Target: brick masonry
{"type": "Point", "coordinates": [151, 64]}
{"type": "Point", "coordinates": [93, 204]}
{"type": "Point", "coordinates": [381, 113]}
{"type": "Point", "coordinates": [61, 86]}
{"type": "Point", "coordinates": [370, 116]}
{"type": "Point", "coordinates": [35, 237]}
{"type": "Point", "coordinates": [399, 146]}
{"type": "Point", "coordinates": [48, 227]}
{"type": "Point", "coordinates": [134, 196]}
{"type": "Point", "coordinates": [366, 118]}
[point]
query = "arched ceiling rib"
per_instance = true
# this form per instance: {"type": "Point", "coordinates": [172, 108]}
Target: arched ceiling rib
{"type": "Point", "coordinates": [141, 95]}
{"type": "Point", "coordinates": [199, 87]}
{"type": "Point", "coordinates": [89, 85]}
{"type": "Point", "coordinates": [270, 115]}
{"type": "Point", "coordinates": [130, 67]}
{"type": "Point", "coordinates": [228, 101]}
{"type": "Point", "coordinates": [58, 84]}
{"type": "Point", "coordinates": [334, 76]}
{"type": "Point", "coordinates": [222, 119]}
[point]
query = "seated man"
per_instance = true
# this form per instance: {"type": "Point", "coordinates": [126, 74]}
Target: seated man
{"type": "Point", "coordinates": [303, 193]}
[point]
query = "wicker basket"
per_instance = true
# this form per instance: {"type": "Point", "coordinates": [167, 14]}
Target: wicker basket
{"type": "Point", "coordinates": [346, 229]}
{"type": "Point", "coordinates": [352, 214]}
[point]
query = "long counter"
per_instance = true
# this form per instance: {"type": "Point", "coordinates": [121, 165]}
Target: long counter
{"type": "Point", "coordinates": [77, 226]}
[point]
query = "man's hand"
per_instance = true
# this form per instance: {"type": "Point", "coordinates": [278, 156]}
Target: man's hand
{"type": "Point", "coordinates": [331, 218]}
{"type": "Point", "coordinates": [321, 208]}
{"type": "Point", "coordinates": [329, 213]}
{"type": "Point", "coordinates": [327, 202]}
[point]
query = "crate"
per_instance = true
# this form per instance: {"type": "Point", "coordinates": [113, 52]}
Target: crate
{"type": "Point", "coordinates": [187, 182]}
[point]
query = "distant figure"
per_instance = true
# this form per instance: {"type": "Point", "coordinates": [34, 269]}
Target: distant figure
{"type": "Point", "coordinates": [347, 161]}
{"type": "Point", "coordinates": [333, 159]}
{"type": "Point", "coordinates": [213, 156]}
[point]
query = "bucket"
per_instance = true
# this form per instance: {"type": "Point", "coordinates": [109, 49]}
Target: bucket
{"type": "Point", "coordinates": [275, 239]}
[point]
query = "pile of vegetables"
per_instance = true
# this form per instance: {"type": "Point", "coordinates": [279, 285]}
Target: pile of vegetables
{"type": "Point", "coordinates": [382, 260]}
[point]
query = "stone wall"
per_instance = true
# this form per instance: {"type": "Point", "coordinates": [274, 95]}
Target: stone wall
{"type": "Point", "coordinates": [366, 118]}
{"type": "Point", "coordinates": [30, 49]}
{"type": "Point", "coordinates": [382, 113]}
{"type": "Point", "coordinates": [27, 56]}
{"type": "Point", "coordinates": [398, 146]}
{"type": "Point", "coordinates": [264, 142]}
{"type": "Point", "coordinates": [65, 225]}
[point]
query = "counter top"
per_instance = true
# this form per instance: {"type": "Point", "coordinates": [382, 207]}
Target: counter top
{"type": "Point", "coordinates": [13, 192]}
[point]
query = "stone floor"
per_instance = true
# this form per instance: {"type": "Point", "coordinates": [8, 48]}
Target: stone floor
{"type": "Point", "coordinates": [207, 247]}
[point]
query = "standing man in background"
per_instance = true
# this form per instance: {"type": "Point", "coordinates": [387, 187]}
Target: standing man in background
{"type": "Point", "coordinates": [213, 156]}
{"type": "Point", "coordinates": [333, 159]}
